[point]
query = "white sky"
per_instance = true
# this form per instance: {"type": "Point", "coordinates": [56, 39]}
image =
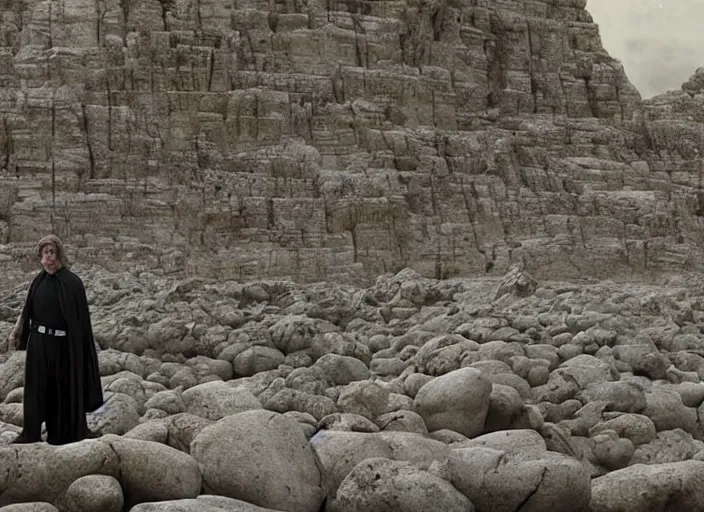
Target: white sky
{"type": "Point", "coordinates": [659, 42]}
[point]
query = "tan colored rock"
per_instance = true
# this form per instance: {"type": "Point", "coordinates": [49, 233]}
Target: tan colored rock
{"type": "Point", "coordinates": [12, 373]}
{"type": "Point", "coordinates": [95, 493]}
{"type": "Point", "coordinates": [339, 452]}
{"type": "Point", "coordinates": [215, 400]}
{"type": "Point", "coordinates": [203, 503]}
{"type": "Point", "coordinates": [53, 469]}
{"type": "Point", "coordinates": [338, 142]}
{"type": "Point", "coordinates": [152, 471]}
{"type": "Point", "coordinates": [643, 488]}
{"type": "Point", "coordinates": [385, 485]}
{"type": "Point", "coordinates": [261, 457]}
{"type": "Point", "coordinates": [34, 506]}
{"type": "Point", "coordinates": [496, 480]}
{"type": "Point", "coordinates": [458, 400]}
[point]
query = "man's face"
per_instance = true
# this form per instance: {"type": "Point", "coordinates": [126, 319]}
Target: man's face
{"type": "Point", "coordinates": [50, 260]}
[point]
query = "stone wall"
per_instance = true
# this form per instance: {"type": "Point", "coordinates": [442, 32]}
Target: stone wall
{"type": "Point", "coordinates": [339, 140]}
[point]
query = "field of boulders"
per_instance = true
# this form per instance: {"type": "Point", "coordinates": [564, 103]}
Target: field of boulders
{"type": "Point", "coordinates": [414, 394]}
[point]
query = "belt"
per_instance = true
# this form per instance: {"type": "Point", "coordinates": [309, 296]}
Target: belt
{"type": "Point", "coordinates": [51, 332]}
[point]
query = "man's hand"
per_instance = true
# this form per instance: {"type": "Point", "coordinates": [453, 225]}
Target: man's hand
{"type": "Point", "coordinates": [13, 340]}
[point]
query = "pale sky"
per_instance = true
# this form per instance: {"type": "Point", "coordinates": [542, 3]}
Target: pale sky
{"type": "Point", "coordinates": [659, 42]}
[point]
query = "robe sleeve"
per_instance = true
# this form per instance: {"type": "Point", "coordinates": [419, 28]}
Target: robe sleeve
{"type": "Point", "coordinates": [22, 326]}
{"type": "Point", "coordinates": [82, 310]}
{"type": "Point", "coordinates": [93, 393]}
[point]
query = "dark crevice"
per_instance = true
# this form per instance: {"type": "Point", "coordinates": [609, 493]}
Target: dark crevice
{"type": "Point", "coordinates": [496, 57]}
{"type": "Point", "coordinates": [166, 7]}
{"type": "Point", "coordinates": [402, 43]}
{"type": "Point", "coordinates": [438, 263]}
{"type": "Point", "coordinates": [362, 58]}
{"type": "Point", "coordinates": [437, 20]}
{"type": "Point", "coordinates": [353, 232]}
{"type": "Point", "coordinates": [51, 15]}
{"type": "Point", "coordinates": [53, 162]}
{"type": "Point", "coordinates": [212, 69]}
{"type": "Point", "coordinates": [591, 97]}
{"type": "Point", "coordinates": [326, 210]}
{"type": "Point", "coordinates": [91, 156]}
{"type": "Point", "coordinates": [433, 197]}
{"type": "Point", "coordinates": [109, 93]}
{"type": "Point", "coordinates": [6, 145]}
{"type": "Point", "coordinates": [256, 117]}
{"type": "Point", "coordinates": [471, 219]}
{"type": "Point", "coordinates": [532, 493]}
{"type": "Point", "coordinates": [125, 17]}
{"type": "Point", "coordinates": [399, 243]}
{"type": "Point", "coordinates": [531, 71]}
{"type": "Point", "coordinates": [618, 100]}
{"type": "Point", "coordinates": [435, 122]}
{"type": "Point", "coordinates": [270, 220]}
{"type": "Point", "coordinates": [97, 25]}
{"type": "Point", "coordinates": [273, 20]}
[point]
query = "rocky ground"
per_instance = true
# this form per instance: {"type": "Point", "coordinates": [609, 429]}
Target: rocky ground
{"type": "Point", "coordinates": [411, 395]}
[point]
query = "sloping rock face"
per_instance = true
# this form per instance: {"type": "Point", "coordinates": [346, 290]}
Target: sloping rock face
{"type": "Point", "coordinates": [317, 140]}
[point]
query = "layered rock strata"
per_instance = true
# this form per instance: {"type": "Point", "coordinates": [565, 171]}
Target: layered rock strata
{"type": "Point", "coordinates": [338, 140]}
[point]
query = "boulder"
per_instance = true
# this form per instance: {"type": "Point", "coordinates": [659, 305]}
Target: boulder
{"type": "Point", "coordinates": [261, 457]}
{"type": "Point", "coordinates": [458, 400]}
{"type": "Point", "coordinates": [215, 400]}
{"type": "Point", "coordinates": [152, 471]}
{"type": "Point", "coordinates": [651, 488]}
{"type": "Point", "coordinates": [94, 493]}
{"type": "Point", "coordinates": [499, 481]}
{"type": "Point", "coordinates": [339, 452]}
{"type": "Point", "coordinates": [383, 485]}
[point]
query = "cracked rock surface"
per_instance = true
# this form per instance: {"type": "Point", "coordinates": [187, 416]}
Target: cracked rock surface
{"type": "Point", "coordinates": [311, 140]}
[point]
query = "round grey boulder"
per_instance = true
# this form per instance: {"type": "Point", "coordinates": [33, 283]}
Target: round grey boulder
{"type": "Point", "coordinates": [383, 485]}
{"type": "Point", "coordinates": [34, 506]}
{"type": "Point", "coordinates": [216, 399]}
{"type": "Point", "coordinates": [118, 415]}
{"type": "Point", "coordinates": [498, 481]}
{"type": "Point", "coordinates": [261, 457]}
{"type": "Point", "coordinates": [339, 452]}
{"type": "Point", "coordinates": [203, 503]}
{"type": "Point", "coordinates": [649, 488]}
{"type": "Point", "coordinates": [257, 359]}
{"type": "Point", "coordinates": [151, 471]}
{"type": "Point", "coordinates": [366, 398]}
{"type": "Point", "coordinates": [458, 400]}
{"type": "Point", "coordinates": [41, 472]}
{"type": "Point", "coordinates": [95, 493]}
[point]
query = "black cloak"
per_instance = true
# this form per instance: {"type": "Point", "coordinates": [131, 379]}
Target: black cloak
{"type": "Point", "coordinates": [86, 393]}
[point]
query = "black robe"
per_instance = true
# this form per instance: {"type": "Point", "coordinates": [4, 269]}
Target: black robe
{"type": "Point", "coordinates": [85, 390]}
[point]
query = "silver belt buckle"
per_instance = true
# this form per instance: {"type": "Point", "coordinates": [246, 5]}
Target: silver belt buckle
{"type": "Point", "coordinates": [51, 332]}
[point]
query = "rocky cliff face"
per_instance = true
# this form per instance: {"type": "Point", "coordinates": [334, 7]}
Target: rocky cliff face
{"type": "Point", "coordinates": [339, 140]}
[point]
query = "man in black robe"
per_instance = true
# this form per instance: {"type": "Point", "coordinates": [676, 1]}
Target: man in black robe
{"type": "Point", "coordinates": [62, 379]}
